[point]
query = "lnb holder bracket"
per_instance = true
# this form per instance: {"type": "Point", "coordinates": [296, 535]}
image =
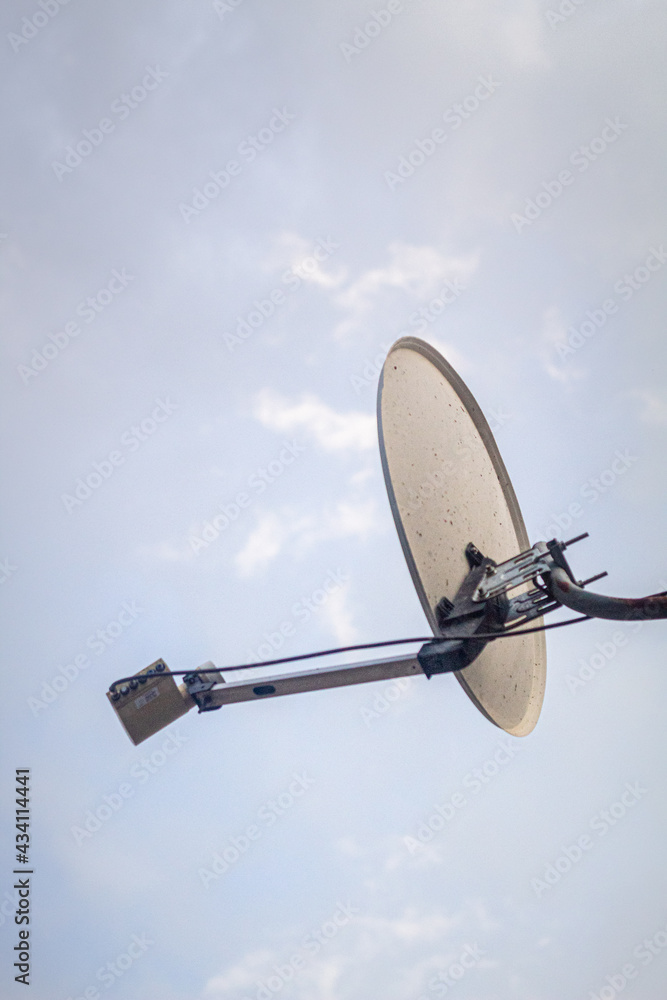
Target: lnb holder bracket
{"type": "Point", "coordinates": [481, 605]}
{"type": "Point", "coordinates": [462, 618]}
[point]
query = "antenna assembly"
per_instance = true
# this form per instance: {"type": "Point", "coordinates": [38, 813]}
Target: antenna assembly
{"type": "Point", "coordinates": [456, 513]}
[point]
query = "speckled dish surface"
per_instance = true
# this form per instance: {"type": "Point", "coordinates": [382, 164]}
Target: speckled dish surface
{"type": "Point", "coordinates": [448, 486]}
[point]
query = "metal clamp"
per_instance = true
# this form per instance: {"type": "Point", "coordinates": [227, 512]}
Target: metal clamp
{"type": "Point", "coordinates": [462, 619]}
{"type": "Point", "coordinates": [199, 684]}
{"type": "Point", "coordinates": [512, 573]}
{"type": "Point", "coordinates": [531, 605]}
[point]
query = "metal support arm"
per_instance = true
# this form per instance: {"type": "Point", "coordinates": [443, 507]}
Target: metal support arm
{"type": "Point", "coordinates": [312, 680]}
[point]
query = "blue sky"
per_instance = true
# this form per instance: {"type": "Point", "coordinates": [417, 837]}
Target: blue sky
{"type": "Point", "coordinates": [217, 218]}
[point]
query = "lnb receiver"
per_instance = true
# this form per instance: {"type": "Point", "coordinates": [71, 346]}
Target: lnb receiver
{"type": "Point", "coordinates": [152, 699]}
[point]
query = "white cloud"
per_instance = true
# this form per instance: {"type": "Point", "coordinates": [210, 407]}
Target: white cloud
{"type": "Point", "coordinates": [418, 272]}
{"type": "Point", "coordinates": [330, 430]}
{"type": "Point", "coordinates": [275, 530]}
{"type": "Point", "coordinates": [412, 926]}
{"type": "Point", "coordinates": [347, 518]}
{"type": "Point", "coordinates": [523, 36]}
{"type": "Point", "coordinates": [167, 551]}
{"type": "Point", "coordinates": [351, 519]}
{"type": "Point", "coordinates": [319, 977]}
{"type": "Point", "coordinates": [349, 847]}
{"type": "Point", "coordinates": [367, 942]}
{"type": "Point", "coordinates": [554, 335]}
{"type": "Point", "coordinates": [653, 407]}
{"type": "Point", "coordinates": [338, 616]}
{"type": "Point", "coordinates": [241, 975]}
{"type": "Point", "coordinates": [362, 476]}
{"type": "Point", "coordinates": [262, 546]}
{"type": "Point", "coordinates": [517, 34]}
{"type": "Point", "coordinates": [291, 250]}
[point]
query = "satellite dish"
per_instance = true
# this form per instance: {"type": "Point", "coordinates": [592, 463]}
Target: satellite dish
{"type": "Point", "coordinates": [466, 547]}
{"type": "Point", "coordinates": [448, 486]}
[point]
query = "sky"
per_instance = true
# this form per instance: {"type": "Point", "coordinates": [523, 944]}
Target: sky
{"type": "Point", "coordinates": [217, 218]}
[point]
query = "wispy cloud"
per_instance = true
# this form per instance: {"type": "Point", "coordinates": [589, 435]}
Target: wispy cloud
{"type": "Point", "coordinates": [276, 529]}
{"type": "Point", "coordinates": [331, 431]}
{"type": "Point", "coordinates": [417, 272]}
{"type": "Point", "coordinates": [369, 943]}
{"type": "Point", "coordinates": [263, 545]}
{"type": "Point", "coordinates": [241, 975]}
{"type": "Point", "coordinates": [653, 407]}
{"type": "Point", "coordinates": [338, 615]}
{"type": "Point", "coordinates": [293, 252]}
{"type": "Point", "coordinates": [554, 334]}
